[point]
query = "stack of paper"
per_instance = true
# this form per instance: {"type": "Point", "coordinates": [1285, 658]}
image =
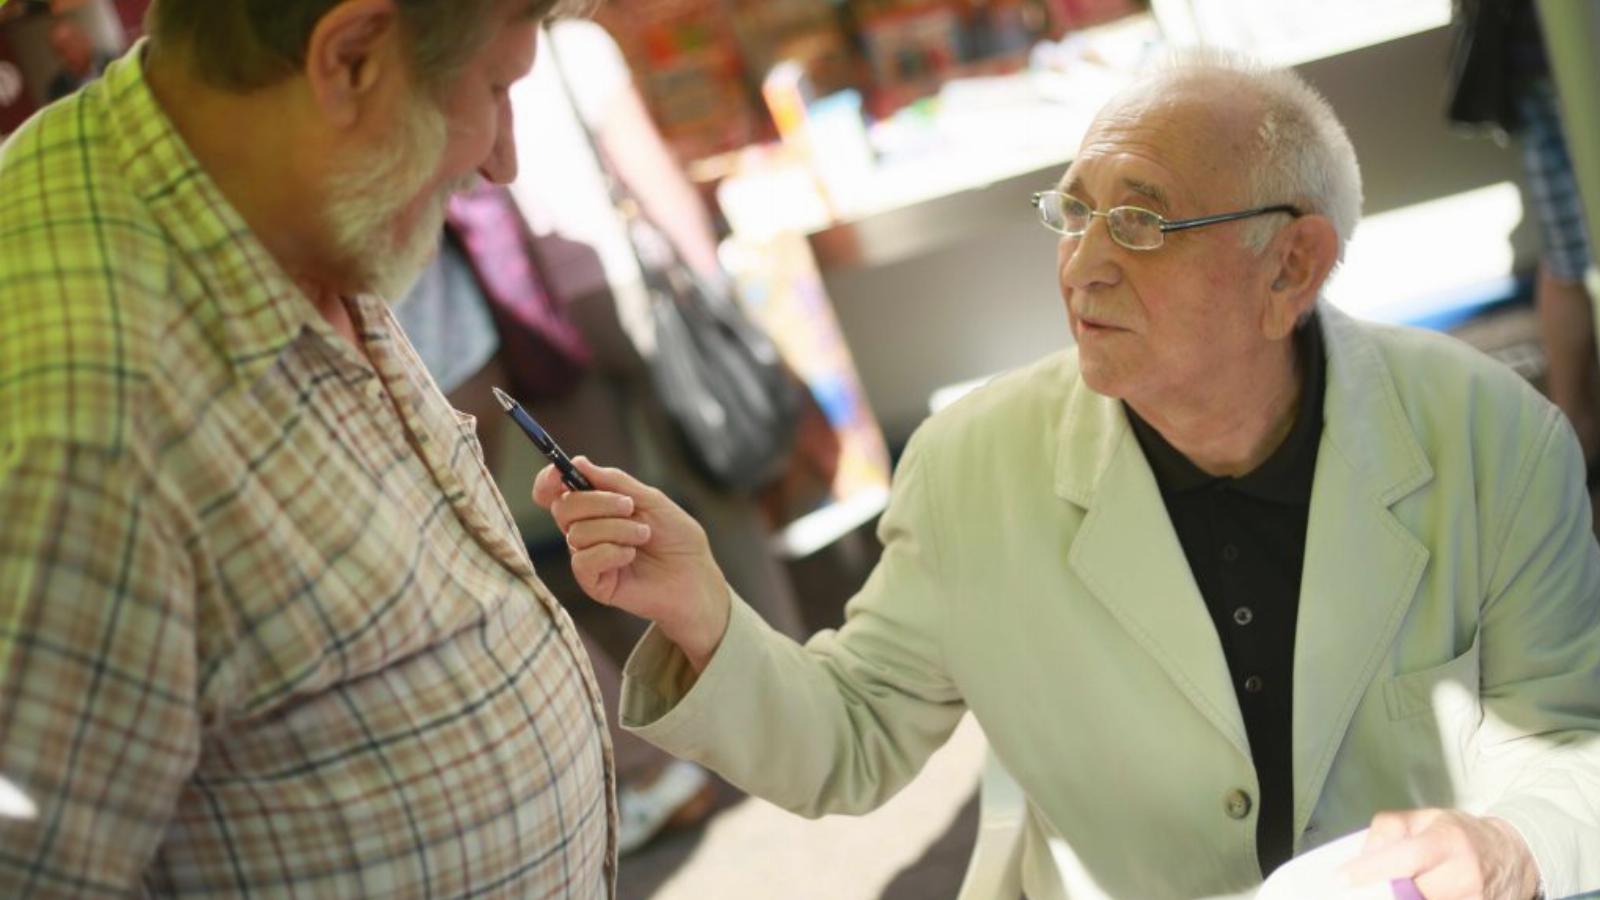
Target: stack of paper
{"type": "Point", "coordinates": [1316, 876]}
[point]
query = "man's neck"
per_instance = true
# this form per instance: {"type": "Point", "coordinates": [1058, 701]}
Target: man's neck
{"type": "Point", "coordinates": [245, 143]}
{"type": "Point", "coordinates": [1234, 427]}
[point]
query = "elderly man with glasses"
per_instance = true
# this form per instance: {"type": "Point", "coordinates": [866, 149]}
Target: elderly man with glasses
{"type": "Point", "coordinates": [1233, 577]}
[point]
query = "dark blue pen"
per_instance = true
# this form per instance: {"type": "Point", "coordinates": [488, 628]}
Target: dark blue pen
{"type": "Point", "coordinates": [570, 476]}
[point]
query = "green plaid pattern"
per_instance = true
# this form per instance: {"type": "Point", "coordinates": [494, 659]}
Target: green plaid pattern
{"type": "Point", "coordinates": [266, 626]}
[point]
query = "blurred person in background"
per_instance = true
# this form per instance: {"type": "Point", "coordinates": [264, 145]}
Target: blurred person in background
{"type": "Point", "coordinates": [79, 61]}
{"type": "Point", "coordinates": [582, 121]}
{"type": "Point", "coordinates": [1501, 78]}
{"type": "Point", "coordinates": [266, 625]}
{"type": "Point", "coordinates": [581, 83]}
{"type": "Point", "coordinates": [1232, 577]}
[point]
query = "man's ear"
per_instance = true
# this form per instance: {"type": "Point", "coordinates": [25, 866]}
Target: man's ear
{"type": "Point", "coordinates": [353, 48]}
{"type": "Point", "coordinates": [1304, 253]}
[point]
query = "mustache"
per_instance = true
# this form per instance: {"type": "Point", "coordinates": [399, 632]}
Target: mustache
{"type": "Point", "coordinates": [464, 185]}
{"type": "Point", "coordinates": [1094, 318]}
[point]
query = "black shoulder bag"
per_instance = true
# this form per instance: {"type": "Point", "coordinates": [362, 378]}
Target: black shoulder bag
{"type": "Point", "coordinates": [733, 401]}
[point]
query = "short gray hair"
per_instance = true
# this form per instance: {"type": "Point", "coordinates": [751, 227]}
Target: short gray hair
{"type": "Point", "coordinates": [242, 45]}
{"type": "Point", "coordinates": [1303, 155]}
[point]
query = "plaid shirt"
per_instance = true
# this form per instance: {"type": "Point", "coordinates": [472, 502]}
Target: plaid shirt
{"type": "Point", "coordinates": [266, 626]}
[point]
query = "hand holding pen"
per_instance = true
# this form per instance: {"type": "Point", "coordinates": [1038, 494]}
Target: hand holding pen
{"type": "Point", "coordinates": [631, 546]}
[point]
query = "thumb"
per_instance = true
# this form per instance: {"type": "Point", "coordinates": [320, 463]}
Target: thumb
{"type": "Point", "coordinates": [1389, 851]}
{"type": "Point", "coordinates": [1387, 829]}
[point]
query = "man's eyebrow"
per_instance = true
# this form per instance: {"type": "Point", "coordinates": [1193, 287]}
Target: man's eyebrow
{"type": "Point", "coordinates": [1146, 189]}
{"type": "Point", "coordinates": [1151, 192]}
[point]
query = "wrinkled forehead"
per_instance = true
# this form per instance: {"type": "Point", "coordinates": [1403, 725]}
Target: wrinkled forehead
{"type": "Point", "coordinates": [1194, 137]}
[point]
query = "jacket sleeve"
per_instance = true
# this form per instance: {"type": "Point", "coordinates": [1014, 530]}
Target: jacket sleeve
{"type": "Point", "coordinates": [1538, 753]}
{"type": "Point", "coordinates": [836, 726]}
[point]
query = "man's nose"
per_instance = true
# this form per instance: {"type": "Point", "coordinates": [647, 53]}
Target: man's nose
{"type": "Point", "coordinates": [1089, 261]}
{"type": "Point", "coordinates": [501, 165]}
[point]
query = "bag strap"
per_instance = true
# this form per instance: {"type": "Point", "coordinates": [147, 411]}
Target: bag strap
{"type": "Point", "coordinates": [623, 199]}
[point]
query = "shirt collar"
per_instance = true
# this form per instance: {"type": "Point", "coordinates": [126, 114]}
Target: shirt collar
{"type": "Point", "coordinates": [258, 310]}
{"type": "Point", "coordinates": [1286, 475]}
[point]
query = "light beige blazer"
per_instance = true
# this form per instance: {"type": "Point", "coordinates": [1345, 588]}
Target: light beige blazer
{"type": "Point", "coordinates": [1447, 652]}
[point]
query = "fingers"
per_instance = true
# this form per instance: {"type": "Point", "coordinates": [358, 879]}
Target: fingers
{"type": "Point", "coordinates": [1406, 858]}
{"type": "Point", "coordinates": [1397, 846]}
{"type": "Point", "coordinates": [598, 569]}
{"type": "Point", "coordinates": [569, 506]}
{"type": "Point", "coordinates": [548, 487]}
{"type": "Point", "coordinates": [617, 481]}
{"type": "Point", "coordinates": [588, 533]}
{"type": "Point", "coordinates": [1387, 828]}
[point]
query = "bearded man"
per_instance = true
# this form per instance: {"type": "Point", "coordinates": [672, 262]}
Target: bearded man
{"type": "Point", "coordinates": [266, 625]}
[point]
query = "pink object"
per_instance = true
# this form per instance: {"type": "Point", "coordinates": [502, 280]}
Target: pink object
{"type": "Point", "coordinates": [1405, 889]}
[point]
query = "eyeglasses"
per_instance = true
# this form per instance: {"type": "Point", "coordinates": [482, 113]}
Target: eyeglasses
{"type": "Point", "coordinates": [1131, 226]}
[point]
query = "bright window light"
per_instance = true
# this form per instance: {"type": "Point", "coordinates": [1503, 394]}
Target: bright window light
{"type": "Point", "coordinates": [1420, 262]}
{"type": "Point", "coordinates": [14, 804]}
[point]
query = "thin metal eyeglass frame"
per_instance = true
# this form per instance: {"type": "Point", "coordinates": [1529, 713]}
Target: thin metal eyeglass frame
{"type": "Point", "coordinates": [1165, 225]}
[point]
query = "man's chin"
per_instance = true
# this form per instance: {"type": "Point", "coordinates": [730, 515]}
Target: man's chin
{"type": "Point", "coordinates": [397, 278]}
{"type": "Point", "coordinates": [393, 274]}
{"type": "Point", "coordinates": [1097, 377]}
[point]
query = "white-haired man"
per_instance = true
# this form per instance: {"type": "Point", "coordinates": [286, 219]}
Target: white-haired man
{"type": "Point", "coordinates": [1233, 577]}
{"type": "Point", "coordinates": [267, 627]}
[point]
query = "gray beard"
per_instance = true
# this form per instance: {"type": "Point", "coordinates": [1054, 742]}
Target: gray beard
{"type": "Point", "coordinates": [368, 198]}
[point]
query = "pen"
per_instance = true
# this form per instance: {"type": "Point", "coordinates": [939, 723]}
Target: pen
{"type": "Point", "coordinates": [570, 476]}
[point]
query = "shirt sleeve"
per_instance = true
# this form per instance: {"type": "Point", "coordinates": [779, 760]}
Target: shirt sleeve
{"type": "Point", "coordinates": [98, 722]}
{"type": "Point", "coordinates": [1538, 753]}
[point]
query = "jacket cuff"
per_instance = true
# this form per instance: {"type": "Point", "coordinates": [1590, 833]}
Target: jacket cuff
{"type": "Point", "coordinates": [1538, 822]}
{"type": "Point", "coordinates": [662, 696]}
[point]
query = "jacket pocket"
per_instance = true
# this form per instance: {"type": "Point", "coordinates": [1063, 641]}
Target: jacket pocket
{"type": "Point", "coordinates": [1452, 684]}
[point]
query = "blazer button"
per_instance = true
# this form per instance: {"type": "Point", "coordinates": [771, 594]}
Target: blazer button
{"type": "Point", "coordinates": [1237, 804]}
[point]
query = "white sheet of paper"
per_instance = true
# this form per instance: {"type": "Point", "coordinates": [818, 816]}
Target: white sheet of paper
{"type": "Point", "coordinates": [1315, 875]}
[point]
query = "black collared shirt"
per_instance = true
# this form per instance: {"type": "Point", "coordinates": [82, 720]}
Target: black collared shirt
{"type": "Point", "coordinates": [1245, 539]}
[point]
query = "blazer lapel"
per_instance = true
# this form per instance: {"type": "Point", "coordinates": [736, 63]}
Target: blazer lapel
{"type": "Point", "coordinates": [1127, 554]}
{"type": "Point", "coordinates": [1361, 565]}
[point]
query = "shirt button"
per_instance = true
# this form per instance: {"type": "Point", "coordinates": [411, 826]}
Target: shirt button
{"type": "Point", "coordinates": [1243, 616]}
{"type": "Point", "coordinates": [1230, 553]}
{"type": "Point", "coordinates": [1253, 684]}
{"type": "Point", "coordinates": [1237, 804]}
